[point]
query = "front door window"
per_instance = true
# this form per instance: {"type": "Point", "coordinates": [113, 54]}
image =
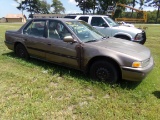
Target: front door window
{"type": "Point", "coordinates": [57, 30]}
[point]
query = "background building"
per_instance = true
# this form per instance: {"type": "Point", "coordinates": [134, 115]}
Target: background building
{"type": "Point", "coordinates": [15, 18]}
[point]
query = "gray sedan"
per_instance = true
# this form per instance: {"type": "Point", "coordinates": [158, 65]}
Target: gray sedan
{"type": "Point", "coordinates": [77, 45]}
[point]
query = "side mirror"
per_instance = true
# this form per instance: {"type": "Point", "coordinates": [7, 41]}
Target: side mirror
{"type": "Point", "coordinates": [68, 39]}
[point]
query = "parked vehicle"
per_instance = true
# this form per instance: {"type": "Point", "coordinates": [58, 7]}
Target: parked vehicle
{"type": "Point", "coordinates": [76, 44]}
{"type": "Point", "coordinates": [110, 28]}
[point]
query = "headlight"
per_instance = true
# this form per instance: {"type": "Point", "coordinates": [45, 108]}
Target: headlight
{"type": "Point", "coordinates": [139, 64]}
{"type": "Point", "coordinates": [138, 36]}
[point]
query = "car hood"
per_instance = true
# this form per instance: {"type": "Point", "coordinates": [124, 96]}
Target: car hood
{"type": "Point", "coordinates": [128, 29]}
{"type": "Point", "coordinates": [129, 48]}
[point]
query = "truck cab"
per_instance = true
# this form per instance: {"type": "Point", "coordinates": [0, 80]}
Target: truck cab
{"type": "Point", "coordinates": [110, 28]}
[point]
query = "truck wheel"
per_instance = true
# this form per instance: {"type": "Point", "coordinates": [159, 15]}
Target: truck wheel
{"type": "Point", "coordinates": [104, 71]}
{"type": "Point", "coordinates": [21, 51]}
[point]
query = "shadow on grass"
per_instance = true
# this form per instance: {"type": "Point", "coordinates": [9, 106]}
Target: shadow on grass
{"type": "Point", "coordinates": [61, 71]}
{"type": "Point", "coordinates": [129, 84]}
{"type": "Point", "coordinates": [157, 94]}
{"type": "Point", "coordinates": [51, 67]}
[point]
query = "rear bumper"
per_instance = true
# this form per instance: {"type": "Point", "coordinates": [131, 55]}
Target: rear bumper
{"type": "Point", "coordinates": [137, 74]}
{"type": "Point", "coordinates": [10, 45]}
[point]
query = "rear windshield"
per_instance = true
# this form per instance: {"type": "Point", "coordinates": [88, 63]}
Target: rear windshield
{"type": "Point", "coordinates": [71, 17]}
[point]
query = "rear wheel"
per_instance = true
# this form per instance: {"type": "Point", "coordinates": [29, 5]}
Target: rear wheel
{"type": "Point", "coordinates": [104, 71]}
{"type": "Point", "coordinates": [21, 51]}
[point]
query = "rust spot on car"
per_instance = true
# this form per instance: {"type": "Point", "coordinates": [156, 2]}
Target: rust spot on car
{"type": "Point", "coordinates": [80, 55]}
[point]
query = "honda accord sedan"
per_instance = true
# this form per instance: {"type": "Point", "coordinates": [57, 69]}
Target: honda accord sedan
{"type": "Point", "coordinates": [76, 44]}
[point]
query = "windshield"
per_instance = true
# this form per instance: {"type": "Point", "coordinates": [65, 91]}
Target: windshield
{"type": "Point", "coordinates": [111, 22]}
{"type": "Point", "coordinates": [84, 31]}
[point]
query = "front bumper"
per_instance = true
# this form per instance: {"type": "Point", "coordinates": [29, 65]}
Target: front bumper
{"type": "Point", "coordinates": [143, 38]}
{"type": "Point", "coordinates": [137, 74]}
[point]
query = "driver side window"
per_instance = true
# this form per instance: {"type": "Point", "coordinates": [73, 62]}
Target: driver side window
{"type": "Point", "coordinates": [97, 21]}
{"type": "Point", "coordinates": [57, 30]}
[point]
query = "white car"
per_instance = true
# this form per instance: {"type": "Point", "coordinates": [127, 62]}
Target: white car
{"type": "Point", "coordinates": [109, 27]}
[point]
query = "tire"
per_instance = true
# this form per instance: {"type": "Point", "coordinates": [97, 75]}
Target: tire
{"type": "Point", "coordinates": [21, 51]}
{"type": "Point", "coordinates": [142, 42]}
{"type": "Point", "coordinates": [104, 71]}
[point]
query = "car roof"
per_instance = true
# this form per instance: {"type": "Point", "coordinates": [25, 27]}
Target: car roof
{"type": "Point", "coordinates": [60, 19]}
{"type": "Point", "coordinates": [88, 15]}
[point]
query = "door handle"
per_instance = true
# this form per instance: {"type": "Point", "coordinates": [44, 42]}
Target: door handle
{"type": "Point", "coordinates": [49, 44]}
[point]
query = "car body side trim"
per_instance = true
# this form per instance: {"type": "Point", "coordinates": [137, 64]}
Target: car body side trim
{"type": "Point", "coordinates": [127, 69]}
{"type": "Point", "coordinates": [54, 53]}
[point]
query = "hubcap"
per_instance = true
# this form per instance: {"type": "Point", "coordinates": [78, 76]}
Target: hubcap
{"type": "Point", "coordinates": [21, 53]}
{"type": "Point", "coordinates": [102, 74]}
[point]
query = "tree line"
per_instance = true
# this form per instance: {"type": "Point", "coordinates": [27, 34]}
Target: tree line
{"type": "Point", "coordinates": [90, 7]}
{"type": "Point", "coordinates": [40, 6]}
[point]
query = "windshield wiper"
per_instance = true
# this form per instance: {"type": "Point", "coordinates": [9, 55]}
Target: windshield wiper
{"type": "Point", "coordinates": [105, 37]}
{"type": "Point", "coordinates": [91, 41]}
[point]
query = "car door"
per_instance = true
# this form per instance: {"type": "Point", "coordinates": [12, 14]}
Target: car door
{"type": "Point", "coordinates": [34, 37]}
{"type": "Point", "coordinates": [61, 52]}
{"type": "Point", "coordinates": [100, 24]}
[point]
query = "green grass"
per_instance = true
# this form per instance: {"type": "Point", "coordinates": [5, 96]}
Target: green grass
{"type": "Point", "coordinates": [38, 90]}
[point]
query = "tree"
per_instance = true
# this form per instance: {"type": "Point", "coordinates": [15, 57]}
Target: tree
{"type": "Point", "coordinates": [141, 4]}
{"type": "Point", "coordinates": [21, 6]}
{"type": "Point", "coordinates": [87, 5]}
{"type": "Point", "coordinates": [57, 6]}
{"type": "Point", "coordinates": [33, 6]}
{"type": "Point", "coordinates": [44, 7]}
{"type": "Point", "coordinates": [104, 4]}
{"type": "Point", "coordinates": [154, 3]}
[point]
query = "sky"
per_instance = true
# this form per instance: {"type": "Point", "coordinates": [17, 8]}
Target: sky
{"type": "Point", "coordinates": [9, 7]}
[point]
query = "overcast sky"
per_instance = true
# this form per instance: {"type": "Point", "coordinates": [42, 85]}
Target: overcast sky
{"type": "Point", "coordinates": [9, 7]}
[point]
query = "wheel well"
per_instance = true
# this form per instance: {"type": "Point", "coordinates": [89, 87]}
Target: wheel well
{"type": "Point", "coordinates": [16, 45]}
{"type": "Point", "coordinates": [123, 37]}
{"type": "Point", "coordinates": [107, 59]}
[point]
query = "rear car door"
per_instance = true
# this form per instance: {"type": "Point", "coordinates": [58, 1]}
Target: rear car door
{"type": "Point", "coordinates": [59, 51]}
{"type": "Point", "coordinates": [34, 37]}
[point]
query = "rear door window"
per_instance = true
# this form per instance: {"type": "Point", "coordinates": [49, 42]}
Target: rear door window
{"type": "Point", "coordinates": [71, 17]}
{"type": "Point", "coordinates": [84, 19]}
{"type": "Point", "coordinates": [36, 28]}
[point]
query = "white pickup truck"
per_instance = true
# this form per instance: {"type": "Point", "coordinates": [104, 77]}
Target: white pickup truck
{"type": "Point", "coordinates": [110, 28]}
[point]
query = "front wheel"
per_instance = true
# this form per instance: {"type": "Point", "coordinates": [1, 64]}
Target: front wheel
{"type": "Point", "coordinates": [21, 51]}
{"type": "Point", "coordinates": [104, 71]}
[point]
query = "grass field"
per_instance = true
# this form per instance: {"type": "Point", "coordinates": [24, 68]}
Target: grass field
{"type": "Point", "coordinates": [36, 90]}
